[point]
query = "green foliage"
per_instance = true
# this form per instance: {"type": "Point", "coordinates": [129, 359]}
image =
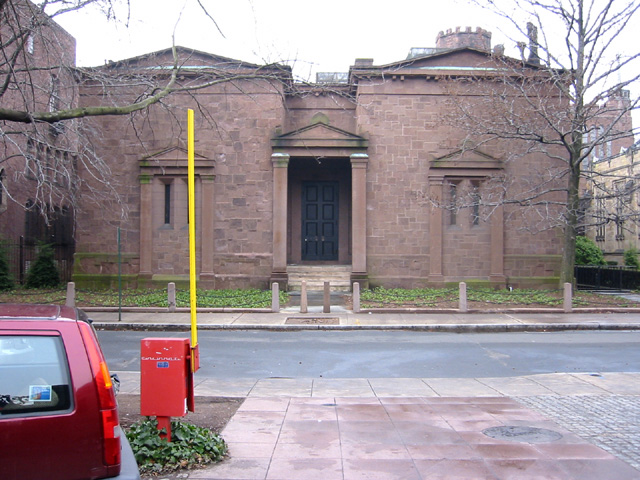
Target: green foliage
{"type": "Point", "coordinates": [190, 446]}
{"type": "Point", "coordinates": [6, 280]}
{"type": "Point", "coordinates": [514, 297]}
{"type": "Point", "coordinates": [441, 297]}
{"type": "Point", "coordinates": [588, 253]}
{"type": "Point", "coordinates": [43, 272]}
{"type": "Point", "coordinates": [631, 258]}
{"type": "Point", "coordinates": [419, 297]}
{"type": "Point", "coordinates": [148, 298]}
{"type": "Point", "coordinates": [247, 298]}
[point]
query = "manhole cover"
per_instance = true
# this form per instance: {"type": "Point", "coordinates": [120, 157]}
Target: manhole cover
{"type": "Point", "coordinates": [312, 321]}
{"type": "Point", "coordinates": [522, 434]}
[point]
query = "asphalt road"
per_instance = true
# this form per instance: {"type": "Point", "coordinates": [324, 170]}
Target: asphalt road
{"type": "Point", "coordinates": [386, 354]}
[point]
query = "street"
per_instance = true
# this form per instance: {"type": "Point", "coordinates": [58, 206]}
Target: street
{"type": "Point", "coordinates": [390, 354]}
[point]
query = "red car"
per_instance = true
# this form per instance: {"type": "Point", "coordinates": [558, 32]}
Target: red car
{"type": "Point", "coordinates": [58, 411]}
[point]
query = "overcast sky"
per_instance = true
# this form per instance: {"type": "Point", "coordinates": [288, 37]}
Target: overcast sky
{"type": "Point", "coordinates": [317, 36]}
{"type": "Point", "coordinates": [322, 36]}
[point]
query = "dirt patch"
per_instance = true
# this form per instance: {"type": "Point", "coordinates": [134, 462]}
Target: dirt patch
{"type": "Point", "coordinates": [210, 412]}
{"type": "Point", "coordinates": [312, 321]}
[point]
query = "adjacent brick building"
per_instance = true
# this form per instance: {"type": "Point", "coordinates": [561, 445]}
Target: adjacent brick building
{"type": "Point", "coordinates": [613, 202]}
{"type": "Point", "coordinates": [37, 160]}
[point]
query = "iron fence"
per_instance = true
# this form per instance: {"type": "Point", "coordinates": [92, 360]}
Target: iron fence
{"type": "Point", "coordinates": [21, 255]}
{"type": "Point", "coordinates": [590, 277]}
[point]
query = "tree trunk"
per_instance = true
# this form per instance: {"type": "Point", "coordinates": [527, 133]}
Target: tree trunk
{"type": "Point", "coordinates": [571, 223]}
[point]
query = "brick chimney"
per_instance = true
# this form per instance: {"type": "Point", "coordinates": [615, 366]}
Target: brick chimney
{"type": "Point", "coordinates": [532, 33]}
{"type": "Point", "coordinates": [479, 39]}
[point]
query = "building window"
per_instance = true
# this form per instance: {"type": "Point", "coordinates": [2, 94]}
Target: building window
{"type": "Point", "coordinates": [167, 203]}
{"type": "Point", "coordinates": [453, 203]}
{"type": "Point", "coordinates": [3, 193]}
{"type": "Point", "coordinates": [601, 220]}
{"type": "Point", "coordinates": [54, 94]}
{"type": "Point", "coordinates": [621, 195]}
{"type": "Point", "coordinates": [475, 203]}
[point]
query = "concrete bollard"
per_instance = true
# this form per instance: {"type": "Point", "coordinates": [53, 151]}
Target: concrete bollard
{"type": "Point", "coordinates": [327, 298]}
{"type": "Point", "coordinates": [356, 297]}
{"type": "Point", "coordinates": [275, 297]}
{"type": "Point", "coordinates": [567, 303]}
{"type": "Point", "coordinates": [304, 302]}
{"type": "Point", "coordinates": [171, 296]}
{"type": "Point", "coordinates": [71, 295]}
{"type": "Point", "coordinates": [462, 301]}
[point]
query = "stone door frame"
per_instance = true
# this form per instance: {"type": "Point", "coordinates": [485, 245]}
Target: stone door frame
{"type": "Point", "coordinates": [359, 163]}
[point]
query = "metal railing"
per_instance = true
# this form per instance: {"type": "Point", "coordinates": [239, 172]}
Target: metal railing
{"type": "Point", "coordinates": [21, 255]}
{"type": "Point", "coordinates": [594, 277]}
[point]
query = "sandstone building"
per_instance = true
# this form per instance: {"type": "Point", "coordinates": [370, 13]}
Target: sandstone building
{"type": "Point", "coordinates": [371, 173]}
{"type": "Point", "coordinates": [613, 203]}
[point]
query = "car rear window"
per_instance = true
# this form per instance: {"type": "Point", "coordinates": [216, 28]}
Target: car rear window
{"type": "Point", "coordinates": [34, 375]}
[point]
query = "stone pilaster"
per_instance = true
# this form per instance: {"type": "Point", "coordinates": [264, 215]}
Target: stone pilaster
{"type": "Point", "coordinates": [280, 163]}
{"type": "Point", "coordinates": [146, 230]}
{"type": "Point", "coordinates": [359, 162]}
{"type": "Point", "coordinates": [207, 231]}
{"type": "Point", "coordinates": [497, 275]}
{"type": "Point", "coordinates": [436, 185]}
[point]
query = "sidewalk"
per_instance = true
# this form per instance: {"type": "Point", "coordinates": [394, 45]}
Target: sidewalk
{"type": "Point", "coordinates": [556, 426]}
{"type": "Point", "coordinates": [339, 318]}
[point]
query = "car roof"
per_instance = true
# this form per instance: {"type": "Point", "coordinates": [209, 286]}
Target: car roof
{"type": "Point", "coordinates": [10, 311]}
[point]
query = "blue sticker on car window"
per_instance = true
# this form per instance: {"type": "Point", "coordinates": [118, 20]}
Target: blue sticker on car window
{"type": "Point", "coordinates": [40, 393]}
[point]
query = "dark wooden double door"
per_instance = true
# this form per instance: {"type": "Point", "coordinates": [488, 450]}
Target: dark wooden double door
{"type": "Point", "coordinates": [320, 221]}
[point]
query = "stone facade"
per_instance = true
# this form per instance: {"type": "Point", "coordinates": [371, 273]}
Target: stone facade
{"type": "Point", "coordinates": [37, 166]}
{"type": "Point", "coordinates": [613, 203]}
{"type": "Point", "coordinates": [372, 173]}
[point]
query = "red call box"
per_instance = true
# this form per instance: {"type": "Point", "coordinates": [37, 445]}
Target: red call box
{"type": "Point", "coordinates": [166, 378]}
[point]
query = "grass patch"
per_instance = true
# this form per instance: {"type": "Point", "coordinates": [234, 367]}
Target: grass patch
{"type": "Point", "coordinates": [399, 297]}
{"type": "Point", "coordinates": [249, 298]}
{"type": "Point", "coordinates": [483, 298]}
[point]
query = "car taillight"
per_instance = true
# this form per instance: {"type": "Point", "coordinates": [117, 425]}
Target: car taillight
{"type": "Point", "coordinates": [106, 396]}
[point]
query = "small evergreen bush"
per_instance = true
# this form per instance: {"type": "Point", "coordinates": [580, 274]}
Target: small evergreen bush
{"type": "Point", "coordinates": [631, 258]}
{"type": "Point", "coordinates": [6, 280]}
{"type": "Point", "coordinates": [588, 253]}
{"type": "Point", "coordinates": [43, 272]}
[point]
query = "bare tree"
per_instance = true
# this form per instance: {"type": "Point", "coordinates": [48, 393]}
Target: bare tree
{"type": "Point", "coordinates": [567, 97]}
{"type": "Point", "coordinates": [45, 138]}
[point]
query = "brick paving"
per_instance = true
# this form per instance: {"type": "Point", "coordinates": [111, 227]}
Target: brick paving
{"type": "Point", "coordinates": [612, 422]}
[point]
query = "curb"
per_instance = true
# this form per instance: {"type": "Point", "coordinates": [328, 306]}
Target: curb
{"type": "Point", "coordinates": [435, 328]}
{"type": "Point", "coordinates": [452, 311]}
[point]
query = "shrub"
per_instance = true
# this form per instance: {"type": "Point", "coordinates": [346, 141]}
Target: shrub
{"type": "Point", "coordinates": [6, 281]}
{"type": "Point", "coordinates": [631, 258]}
{"type": "Point", "coordinates": [190, 446]}
{"type": "Point", "coordinates": [588, 253]}
{"type": "Point", "coordinates": [43, 272]}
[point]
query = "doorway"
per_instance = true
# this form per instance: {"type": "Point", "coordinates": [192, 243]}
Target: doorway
{"type": "Point", "coordinates": [320, 216]}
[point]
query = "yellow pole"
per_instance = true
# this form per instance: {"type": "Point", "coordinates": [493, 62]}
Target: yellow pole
{"type": "Point", "coordinates": [192, 234]}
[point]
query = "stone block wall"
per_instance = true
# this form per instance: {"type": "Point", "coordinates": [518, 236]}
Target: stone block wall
{"type": "Point", "coordinates": [235, 137]}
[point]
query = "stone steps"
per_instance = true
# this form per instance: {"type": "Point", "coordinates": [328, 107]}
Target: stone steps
{"type": "Point", "coordinates": [339, 276]}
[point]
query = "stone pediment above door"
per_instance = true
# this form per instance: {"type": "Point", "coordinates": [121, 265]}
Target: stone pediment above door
{"type": "Point", "coordinates": [173, 161]}
{"type": "Point", "coordinates": [319, 136]}
{"type": "Point", "coordinates": [469, 159]}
